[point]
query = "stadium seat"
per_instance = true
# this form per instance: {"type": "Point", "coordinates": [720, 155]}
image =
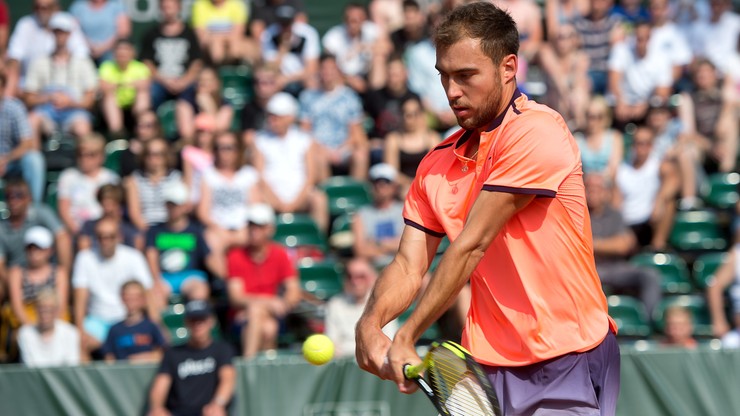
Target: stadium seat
{"type": "Point", "coordinates": [294, 230]}
{"type": "Point", "coordinates": [433, 333]}
{"type": "Point", "coordinates": [236, 85]}
{"type": "Point", "coordinates": [341, 237]}
{"type": "Point", "coordinates": [346, 194]}
{"type": "Point", "coordinates": [166, 115]}
{"type": "Point", "coordinates": [113, 152]}
{"type": "Point", "coordinates": [697, 230]}
{"type": "Point", "coordinates": [672, 268]}
{"type": "Point", "coordinates": [321, 279]}
{"type": "Point", "coordinates": [52, 189]}
{"type": "Point", "coordinates": [173, 319]}
{"type": "Point", "coordinates": [720, 190]}
{"type": "Point", "coordinates": [694, 303]}
{"type": "Point", "coordinates": [704, 267]}
{"type": "Point", "coordinates": [630, 315]}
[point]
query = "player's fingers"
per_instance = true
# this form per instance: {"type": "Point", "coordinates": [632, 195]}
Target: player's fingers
{"type": "Point", "coordinates": [407, 387]}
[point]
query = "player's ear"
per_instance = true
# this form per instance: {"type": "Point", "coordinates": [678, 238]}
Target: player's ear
{"type": "Point", "coordinates": [509, 67]}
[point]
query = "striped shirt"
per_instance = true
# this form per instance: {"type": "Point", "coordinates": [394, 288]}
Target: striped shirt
{"type": "Point", "coordinates": [595, 37]}
{"type": "Point", "coordinates": [151, 197]}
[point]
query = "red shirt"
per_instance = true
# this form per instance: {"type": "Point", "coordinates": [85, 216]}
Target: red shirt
{"type": "Point", "coordinates": [4, 14]}
{"type": "Point", "coordinates": [263, 278]}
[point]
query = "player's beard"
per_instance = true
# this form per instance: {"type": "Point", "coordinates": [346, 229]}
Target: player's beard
{"type": "Point", "coordinates": [484, 114]}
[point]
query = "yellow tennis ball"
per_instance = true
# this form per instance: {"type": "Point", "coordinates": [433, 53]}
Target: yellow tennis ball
{"type": "Point", "coordinates": [318, 349]}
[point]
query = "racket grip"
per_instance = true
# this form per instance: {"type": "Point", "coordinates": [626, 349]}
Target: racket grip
{"type": "Point", "coordinates": [410, 372]}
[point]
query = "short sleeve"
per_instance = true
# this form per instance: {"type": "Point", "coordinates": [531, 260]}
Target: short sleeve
{"type": "Point", "coordinates": [110, 340]}
{"type": "Point", "coordinates": [4, 15]}
{"type": "Point", "coordinates": [33, 75]}
{"type": "Point", "coordinates": [287, 269]}
{"type": "Point", "coordinates": [91, 75]}
{"type": "Point", "coordinates": [147, 46]}
{"type": "Point", "coordinates": [141, 270]}
{"type": "Point", "coordinates": [157, 337]}
{"type": "Point", "coordinates": [225, 355]}
{"type": "Point", "coordinates": [67, 181]}
{"type": "Point", "coordinates": [107, 71]}
{"type": "Point", "coordinates": [46, 217]}
{"type": "Point", "coordinates": [240, 12]}
{"type": "Point", "coordinates": [199, 15]}
{"type": "Point", "coordinates": [418, 213]}
{"type": "Point", "coordinates": [151, 236]}
{"type": "Point", "coordinates": [619, 58]}
{"type": "Point", "coordinates": [80, 276]}
{"type": "Point", "coordinates": [312, 48]}
{"type": "Point", "coordinates": [168, 365]}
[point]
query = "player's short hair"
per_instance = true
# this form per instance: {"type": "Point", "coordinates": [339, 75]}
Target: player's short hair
{"type": "Point", "coordinates": [494, 27]}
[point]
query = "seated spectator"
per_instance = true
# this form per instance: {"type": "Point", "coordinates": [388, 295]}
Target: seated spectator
{"type": "Point", "coordinates": [726, 277]}
{"type": "Point", "coordinates": [386, 14]}
{"type": "Point", "coordinates": [679, 328]}
{"type": "Point", "coordinates": [715, 38]}
{"type": "Point", "coordinates": [176, 250]}
{"type": "Point", "coordinates": [414, 28]}
{"type": "Point", "coordinates": [285, 158]}
{"type": "Point", "coordinates": [33, 38]}
{"type": "Point", "coordinates": [637, 78]}
{"type": "Point", "coordinates": [647, 188]}
{"type": "Point", "coordinates": [597, 29]}
{"type": "Point", "coordinates": [333, 115]}
{"type": "Point", "coordinates": [19, 151]}
{"type": "Point", "coordinates": [264, 14]}
{"type": "Point", "coordinates": [144, 188]}
{"type": "Point", "coordinates": [208, 100]}
{"type": "Point", "coordinates": [97, 279]}
{"type": "Point", "coordinates": [125, 84]}
{"type": "Point", "coordinates": [103, 22]}
{"type": "Point", "coordinates": [60, 88]}
{"type": "Point", "coordinates": [78, 185]}
{"type": "Point", "coordinates": [254, 116]}
{"type": "Point", "coordinates": [220, 26]}
{"type": "Point", "coordinates": [528, 17]}
{"type": "Point", "coordinates": [563, 12]}
{"type": "Point", "coordinates": [111, 200]}
{"type": "Point", "coordinates": [353, 42]}
{"type": "Point", "coordinates": [198, 157]}
{"type": "Point", "coordinates": [602, 148]}
{"type": "Point", "coordinates": [197, 378]}
{"type": "Point", "coordinates": [667, 39]}
{"type": "Point", "coordinates": [377, 228]}
{"type": "Point", "coordinates": [263, 284]}
{"type": "Point", "coordinates": [294, 47]}
{"type": "Point", "coordinates": [22, 216]}
{"type": "Point", "coordinates": [344, 310]}
{"type": "Point", "coordinates": [405, 148]}
{"type": "Point", "coordinates": [136, 338]}
{"type": "Point", "coordinates": [614, 242]}
{"type": "Point", "coordinates": [50, 341]}
{"type": "Point", "coordinates": [146, 128]}
{"type": "Point", "coordinates": [172, 53]}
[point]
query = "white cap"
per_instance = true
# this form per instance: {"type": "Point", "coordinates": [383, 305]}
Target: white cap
{"type": "Point", "coordinates": [282, 104]}
{"type": "Point", "coordinates": [177, 193]}
{"type": "Point", "coordinates": [38, 236]}
{"type": "Point", "coordinates": [260, 214]}
{"type": "Point", "coordinates": [383, 171]}
{"type": "Point", "coordinates": [62, 21]}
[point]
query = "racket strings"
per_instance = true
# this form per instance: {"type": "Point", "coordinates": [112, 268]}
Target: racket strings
{"type": "Point", "coordinates": [457, 387]}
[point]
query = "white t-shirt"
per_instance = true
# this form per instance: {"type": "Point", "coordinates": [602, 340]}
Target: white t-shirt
{"type": "Point", "coordinates": [341, 317]}
{"type": "Point", "coordinates": [640, 76]}
{"type": "Point", "coordinates": [716, 41]}
{"type": "Point", "coordinates": [670, 45]}
{"type": "Point", "coordinates": [354, 55]}
{"type": "Point", "coordinates": [639, 188]}
{"type": "Point", "coordinates": [63, 348]}
{"type": "Point", "coordinates": [81, 190]}
{"type": "Point", "coordinates": [304, 45]}
{"type": "Point", "coordinates": [285, 161]}
{"type": "Point", "coordinates": [230, 196]}
{"type": "Point", "coordinates": [103, 278]}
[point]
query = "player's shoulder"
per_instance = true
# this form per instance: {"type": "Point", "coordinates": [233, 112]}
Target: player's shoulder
{"type": "Point", "coordinates": [441, 151]}
{"type": "Point", "coordinates": [532, 115]}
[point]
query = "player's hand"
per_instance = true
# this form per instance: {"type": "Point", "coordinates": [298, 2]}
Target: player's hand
{"type": "Point", "coordinates": [371, 347]}
{"type": "Point", "coordinates": [402, 352]}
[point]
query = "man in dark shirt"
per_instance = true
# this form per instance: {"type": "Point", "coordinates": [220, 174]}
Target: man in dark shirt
{"type": "Point", "coordinates": [254, 115]}
{"type": "Point", "coordinates": [415, 27]}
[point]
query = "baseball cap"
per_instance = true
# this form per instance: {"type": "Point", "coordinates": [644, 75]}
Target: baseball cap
{"type": "Point", "coordinates": [38, 236]}
{"type": "Point", "coordinates": [282, 104]}
{"type": "Point", "coordinates": [197, 309]}
{"type": "Point", "coordinates": [177, 193]}
{"type": "Point", "coordinates": [383, 171]}
{"type": "Point", "coordinates": [285, 13]}
{"type": "Point", "coordinates": [62, 21]}
{"type": "Point", "coordinates": [261, 214]}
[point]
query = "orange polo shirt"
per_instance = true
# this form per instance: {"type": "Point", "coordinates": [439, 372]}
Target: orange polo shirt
{"type": "Point", "coordinates": [535, 293]}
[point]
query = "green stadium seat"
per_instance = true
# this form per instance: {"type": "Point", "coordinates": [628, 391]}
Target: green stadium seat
{"type": "Point", "coordinates": [341, 237]}
{"type": "Point", "coordinates": [113, 151]}
{"type": "Point", "coordinates": [630, 315]}
{"type": "Point", "coordinates": [173, 319]}
{"type": "Point", "coordinates": [694, 303]}
{"type": "Point", "coordinates": [236, 84]}
{"type": "Point", "coordinates": [696, 231]}
{"type": "Point", "coordinates": [704, 267]}
{"type": "Point", "coordinates": [52, 190]}
{"type": "Point", "coordinates": [433, 333]}
{"type": "Point", "coordinates": [166, 115]}
{"type": "Point", "coordinates": [720, 190]}
{"type": "Point", "coordinates": [672, 268]}
{"type": "Point", "coordinates": [346, 194]}
{"type": "Point", "coordinates": [321, 279]}
{"type": "Point", "coordinates": [294, 230]}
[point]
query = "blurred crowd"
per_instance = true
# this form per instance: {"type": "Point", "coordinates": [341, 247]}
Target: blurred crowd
{"type": "Point", "coordinates": [141, 176]}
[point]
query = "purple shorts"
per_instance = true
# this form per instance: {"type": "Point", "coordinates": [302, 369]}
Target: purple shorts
{"type": "Point", "coordinates": [585, 383]}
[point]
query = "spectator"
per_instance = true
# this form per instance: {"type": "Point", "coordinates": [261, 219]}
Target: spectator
{"type": "Point", "coordinates": [414, 29]}
{"type": "Point", "coordinates": [294, 47]}
{"type": "Point", "coordinates": [263, 284]}
{"type": "Point", "coordinates": [19, 151]}
{"type": "Point", "coordinates": [78, 185]}
{"type": "Point", "coordinates": [631, 12]}
{"type": "Point", "coordinates": [710, 122]}
{"type": "Point", "coordinates": [566, 74]}
{"type": "Point", "coordinates": [679, 328]}
{"type": "Point", "coordinates": [51, 341]}
{"type": "Point", "coordinates": [97, 279]}
{"type": "Point", "coordinates": [144, 188]}
{"type": "Point", "coordinates": [333, 115]}
{"type": "Point", "coordinates": [125, 84]}
{"type": "Point", "coordinates": [198, 377]}
{"type": "Point", "coordinates": [220, 26]}
{"type": "Point", "coordinates": [198, 157]}
{"type": "Point", "coordinates": [405, 148]}
{"type": "Point", "coordinates": [264, 14]}
{"type": "Point", "coordinates": [716, 38]}
{"type": "Point", "coordinates": [254, 116]}
{"type": "Point", "coordinates": [598, 29]}
{"type": "Point", "coordinates": [60, 88]}
{"type": "Point", "coordinates": [377, 229]}
{"type": "Point", "coordinates": [136, 338]}
{"type": "Point", "coordinates": [352, 43]}
{"type": "Point", "coordinates": [285, 158]}
{"type": "Point", "coordinates": [647, 187]}
{"type": "Point", "coordinates": [208, 100]}
{"type": "Point", "coordinates": [147, 128]}
{"type": "Point", "coordinates": [103, 22]}
{"type": "Point", "coordinates": [528, 17]}
{"type": "Point", "coordinates": [614, 242]}
{"type": "Point", "coordinates": [344, 310]}
{"type": "Point", "coordinates": [725, 277]}
{"type": "Point", "coordinates": [172, 53]}
{"type": "Point", "coordinates": [667, 39]}
{"type": "Point", "coordinates": [563, 12]}
{"type": "Point", "coordinates": [637, 78]}
{"type": "Point", "coordinates": [176, 250]}
{"type": "Point", "coordinates": [602, 148]}
{"type": "Point", "coordinates": [111, 200]}
{"type": "Point", "coordinates": [4, 31]}
{"type": "Point", "coordinates": [386, 14]}
{"type": "Point", "coordinates": [22, 216]}
{"type": "Point", "coordinates": [32, 38]}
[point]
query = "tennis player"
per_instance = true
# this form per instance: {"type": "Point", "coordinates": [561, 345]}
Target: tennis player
{"type": "Point", "coordinates": [507, 190]}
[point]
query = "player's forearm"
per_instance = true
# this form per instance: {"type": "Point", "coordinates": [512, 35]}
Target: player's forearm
{"type": "Point", "coordinates": [393, 293]}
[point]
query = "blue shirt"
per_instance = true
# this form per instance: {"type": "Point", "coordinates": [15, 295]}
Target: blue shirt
{"type": "Point", "coordinates": [124, 341]}
{"type": "Point", "coordinates": [331, 114]}
{"type": "Point", "coordinates": [98, 25]}
{"type": "Point", "coordinates": [14, 125]}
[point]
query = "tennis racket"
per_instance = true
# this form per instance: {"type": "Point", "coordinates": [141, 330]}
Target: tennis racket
{"type": "Point", "coordinates": [454, 382]}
